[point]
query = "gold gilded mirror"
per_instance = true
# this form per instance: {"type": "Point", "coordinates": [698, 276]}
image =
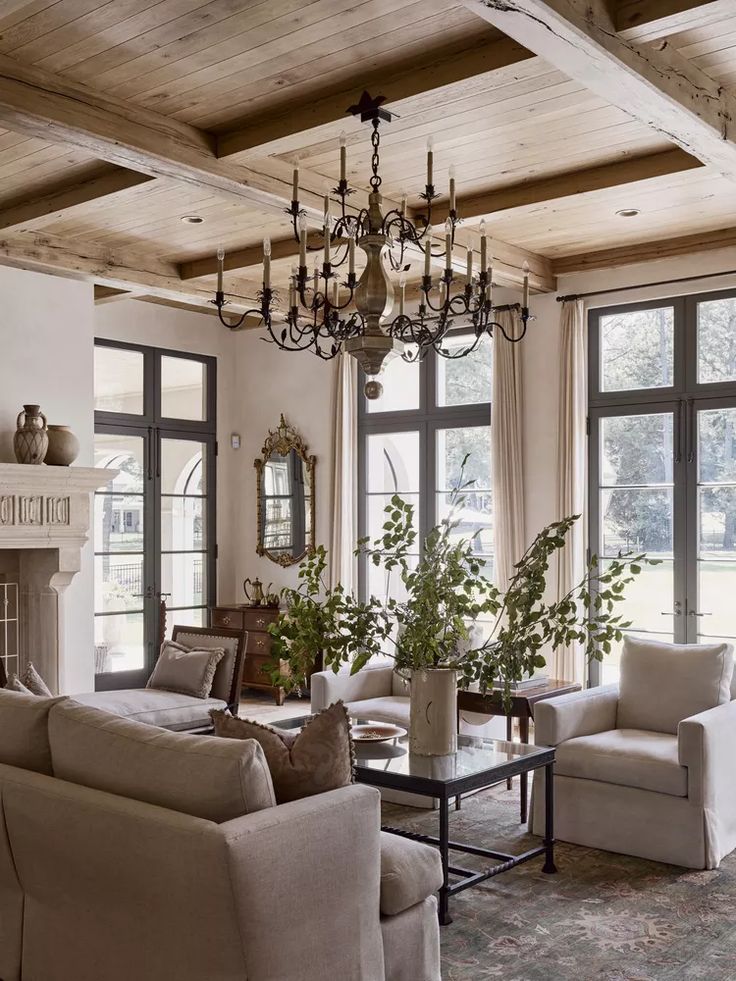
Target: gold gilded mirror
{"type": "Point", "coordinates": [285, 497]}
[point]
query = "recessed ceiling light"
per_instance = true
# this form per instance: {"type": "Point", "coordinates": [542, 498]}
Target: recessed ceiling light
{"type": "Point", "coordinates": [192, 219]}
{"type": "Point", "coordinates": [628, 213]}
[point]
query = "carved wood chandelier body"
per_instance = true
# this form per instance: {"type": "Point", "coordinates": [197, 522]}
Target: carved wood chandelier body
{"type": "Point", "coordinates": [326, 314]}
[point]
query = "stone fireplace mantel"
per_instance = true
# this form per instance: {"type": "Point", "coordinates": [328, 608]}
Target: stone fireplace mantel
{"type": "Point", "coordinates": [45, 523]}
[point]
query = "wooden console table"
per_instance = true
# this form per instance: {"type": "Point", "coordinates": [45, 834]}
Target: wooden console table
{"type": "Point", "coordinates": [522, 708]}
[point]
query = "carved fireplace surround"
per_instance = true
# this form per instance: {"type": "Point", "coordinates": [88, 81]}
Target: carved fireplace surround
{"type": "Point", "coordinates": [44, 525]}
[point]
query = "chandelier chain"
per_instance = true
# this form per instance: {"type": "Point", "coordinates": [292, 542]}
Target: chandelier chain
{"type": "Point", "coordinates": [375, 159]}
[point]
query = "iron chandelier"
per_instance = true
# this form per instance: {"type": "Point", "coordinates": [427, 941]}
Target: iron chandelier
{"type": "Point", "coordinates": [327, 315]}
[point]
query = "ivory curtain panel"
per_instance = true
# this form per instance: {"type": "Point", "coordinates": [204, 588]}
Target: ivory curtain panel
{"type": "Point", "coordinates": [569, 660]}
{"type": "Point", "coordinates": [506, 450]}
{"type": "Point", "coordinates": [343, 564]}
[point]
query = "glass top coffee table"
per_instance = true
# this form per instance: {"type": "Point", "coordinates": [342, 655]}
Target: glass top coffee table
{"type": "Point", "coordinates": [478, 764]}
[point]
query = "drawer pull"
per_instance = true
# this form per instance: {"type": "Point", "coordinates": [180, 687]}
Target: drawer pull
{"type": "Point", "coordinates": [260, 622]}
{"type": "Point", "coordinates": [260, 643]}
{"type": "Point", "coordinates": [226, 619]}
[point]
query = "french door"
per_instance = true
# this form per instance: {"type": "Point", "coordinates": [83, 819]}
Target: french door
{"type": "Point", "coordinates": [663, 463]}
{"type": "Point", "coordinates": [154, 523]}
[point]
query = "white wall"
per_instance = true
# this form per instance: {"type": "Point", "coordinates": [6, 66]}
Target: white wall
{"type": "Point", "coordinates": [302, 387]}
{"type": "Point", "coordinates": [46, 334]}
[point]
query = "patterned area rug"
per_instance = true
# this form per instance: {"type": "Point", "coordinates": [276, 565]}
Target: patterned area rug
{"type": "Point", "coordinates": [603, 917]}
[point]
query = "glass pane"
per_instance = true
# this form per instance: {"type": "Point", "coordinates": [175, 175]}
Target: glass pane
{"type": "Point", "coordinates": [467, 380]}
{"type": "Point", "coordinates": [716, 591]}
{"type": "Point", "coordinates": [717, 446]}
{"type": "Point", "coordinates": [400, 381]}
{"type": "Point", "coordinates": [183, 577]}
{"type": "Point", "coordinates": [118, 523]}
{"type": "Point", "coordinates": [637, 449]}
{"type": "Point", "coordinates": [118, 583]}
{"type": "Point", "coordinates": [474, 518]}
{"type": "Point", "coordinates": [185, 618]}
{"type": "Point", "coordinates": [716, 340]}
{"type": "Point", "coordinates": [393, 463]}
{"type": "Point", "coordinates": [453, 445]}
{"type": "Point", "coordinates": [183, 388]}
{"type": "Point", "coordinates": [123, 453]}
{"type": "Point", "coordinates": [649, 600]}
{"type": "Point", "coordinates": [182, 524]}
{"type": "Point", "coordinates": [118, 380]}
{"type": "Point", "coordinates": [636, 521]}
{"type": "Point", "coordinates": [182, 468]}
{"type": "Point", "coordinates": [717, 521]}
{"type": "Point", "coordinates": [119, 643]}
{"type": "Point", "coordinates": [384, 584]}
{"type": "Point", "coordinates": [377, 514]}
{"type": "Point", "coordinates": [636, 349]}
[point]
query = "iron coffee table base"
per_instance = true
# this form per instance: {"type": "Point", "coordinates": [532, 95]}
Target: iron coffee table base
{"type": "Point", "coordinates": [468, 877]}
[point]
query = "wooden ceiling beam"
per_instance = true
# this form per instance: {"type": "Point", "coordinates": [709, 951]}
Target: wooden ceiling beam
{"type": "Point", "coordinates": [109, 294]}
{"type": "Point", "coordinates": [626, 255]}
{"type": "Point", "coordinates": [445, 77]}
{"type": "Point", "coordinates": [118, 269]}
{"type": "Point", "coordinates": [546, 190]}
{"type": "Point", "coordinates": [52, 108]}
{"type": "Point", "coordinates": [29, 213]}
{"type": "Point", "coordinates": [659, 87]}
{"type": "Point", "coordinates": [650, 20]}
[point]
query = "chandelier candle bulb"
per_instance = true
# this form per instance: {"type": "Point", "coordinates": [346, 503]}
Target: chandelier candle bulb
{"type": "Point", "coordinates": [327, 231]}
{"type": "Point", "coordinates": [402, 294]}
{"type": "Point", "coordinates": [343, 156]}
{"type": "Point", "coordinates": [351, 254]}
{"type": "Point", "coordinates": [428, 258]}
{"type": "Point", "coordinates": [452, 188]}
{"type": "Point", "coordinates": [430, 160]}
{"type": "Point", "coordinates": [483, 247]}
{"type": "Point", "coordinates": [295, 184]}
{"type": "Point", "coordinates": [266, 262]}
{"type": "Point", "coordinates": [525, 294]}
{"type": "Point", "coordinates": [220, 267]}
{"type": "Point", "coordinates": [448, 245]}
{"type": "Point", "coordinates": [292, 289]}
{"type": "Point", "coordinates": [470, 265]}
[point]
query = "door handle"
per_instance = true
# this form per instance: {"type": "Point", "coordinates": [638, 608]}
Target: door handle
{"type": "Point", "coordinates": [150, 452]}
{"type": "Point", "coordinates": [678, 436]}
{"type": "Point", "coordinates": [158, 453]}
{"type": "Point", "coordinates": [690, 431]}
{"type": "Point", "coordinates": [692, 613]}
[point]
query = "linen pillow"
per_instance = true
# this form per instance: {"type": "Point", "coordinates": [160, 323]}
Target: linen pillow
{"type": "Point", "coordinates": [15, 684]}
{"type": "Point", "coordinates": [662, 684]}
{"type": "Point", "coordinates": [185, 670]}
{"type": "Point", "coordinates": [313, 761]}
{"type": "Point", "coordinates": [34, 682]}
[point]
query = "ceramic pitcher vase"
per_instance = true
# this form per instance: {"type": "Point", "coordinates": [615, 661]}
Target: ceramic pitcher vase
{"type": "Point", "coordinates": [31, 440]}
{"type": "Point", "coordinates": [433, 712]}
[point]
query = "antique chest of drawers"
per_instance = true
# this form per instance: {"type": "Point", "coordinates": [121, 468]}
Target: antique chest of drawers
{"type": "Point", "coordinates": [255, 620]}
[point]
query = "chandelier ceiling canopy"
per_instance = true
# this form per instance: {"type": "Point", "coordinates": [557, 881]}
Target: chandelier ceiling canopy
{"type": "Point", "coordinates": [327, 313]}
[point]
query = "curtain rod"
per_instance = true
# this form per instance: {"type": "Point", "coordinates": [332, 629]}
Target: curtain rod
{"type": "Point", "coordinates": [643, 286]}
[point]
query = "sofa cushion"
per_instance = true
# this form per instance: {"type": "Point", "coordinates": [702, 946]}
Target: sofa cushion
{"type": "Point", "coordinates": [629, 757]}
{"type": "Point", "coordinates": [34, 682]}
{"type": "Point", "coordinates": [410, 872]}
{"type": "Point", "coordinates": [389, 708]}
{"type": "Point", "coordinates": [662, 684]}
{"type": "Point", "coordinates": [223, 680]}
{"type": "Point", "coordinates": [24, 738]}
{"type": "Point", "coordinates": [303, 762]}
{"type": "Point", "coordinates": [15, 684]}
{"type": "Point", "coordinates": [187, 671]}
{"type": "Point", "coordinates": [215, 779]}
{"type": "Point", "coordinates": [155, 708]}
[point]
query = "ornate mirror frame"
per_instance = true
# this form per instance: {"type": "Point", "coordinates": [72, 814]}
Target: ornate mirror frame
{"type": "Point", "coordinates": [282, 440]}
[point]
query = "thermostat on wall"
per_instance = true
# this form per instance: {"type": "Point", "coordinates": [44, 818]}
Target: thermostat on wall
{"type": "Point", "coordinates": [235, 440]}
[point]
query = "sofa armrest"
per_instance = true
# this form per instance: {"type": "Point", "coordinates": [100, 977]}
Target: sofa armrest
{"type": "Point", "coordinates": [580, 713]}
{"type": "Point", "coordinates": [306, 886]}
{"type": "Point", "coordinates": [705, 745]}
{"type": "Point", "coordinates": [327, 687]}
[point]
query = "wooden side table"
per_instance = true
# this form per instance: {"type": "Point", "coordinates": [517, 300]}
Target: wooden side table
{"type": "Point", "coordinates": [522, 708]}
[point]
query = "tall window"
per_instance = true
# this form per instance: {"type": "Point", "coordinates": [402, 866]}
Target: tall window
{"type": "Point", "coordinates": [663, 461]}
{"type": "Point", "coordinates": [413, 441]}
{"type": "Point", "coordinates": [154, 527]}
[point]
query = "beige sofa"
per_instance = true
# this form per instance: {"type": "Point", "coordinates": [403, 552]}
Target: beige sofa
{"type": "Point", "coordinates": [647, 768]}
{"type": "Point", "coordinates": [128, 852]}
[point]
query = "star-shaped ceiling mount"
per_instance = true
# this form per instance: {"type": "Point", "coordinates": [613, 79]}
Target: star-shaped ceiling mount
{"type": "Point", "coordinates": [369, 108]}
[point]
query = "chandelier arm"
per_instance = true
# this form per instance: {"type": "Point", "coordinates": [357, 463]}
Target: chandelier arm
{"type": "Point", "coordinates": [265, 295]}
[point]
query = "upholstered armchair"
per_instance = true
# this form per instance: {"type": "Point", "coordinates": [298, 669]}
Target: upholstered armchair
{"type": "Point", "coordinates": [647, 768]}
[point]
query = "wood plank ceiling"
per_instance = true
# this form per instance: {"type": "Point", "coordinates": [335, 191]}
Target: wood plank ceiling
{"type": "Point", "coordinates": [120, 118]}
